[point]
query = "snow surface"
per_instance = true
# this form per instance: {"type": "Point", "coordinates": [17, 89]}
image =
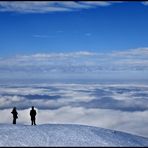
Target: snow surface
{"type": "Point", "coordinates": [65, 135]}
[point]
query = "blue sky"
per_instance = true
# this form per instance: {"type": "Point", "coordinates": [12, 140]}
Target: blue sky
{"type": "Point", "coordinates": [95, 33]}
{"type": "Point", "coordinates": [118, 26]}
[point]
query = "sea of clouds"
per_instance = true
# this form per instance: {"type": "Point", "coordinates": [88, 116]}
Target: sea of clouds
{"type": "Point", "coordinates": [121, 107]}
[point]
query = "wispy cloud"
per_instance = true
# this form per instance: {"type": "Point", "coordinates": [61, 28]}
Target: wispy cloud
{"type": "Point", "coordinates": [133, 52]}
{"type": "Point", "coordinates": [97, 3]}
{"type": "Point", "coordinates": [31, 7]}
{"type": "Point", "coordinates": [40, 36]}
{"type": "Point", "coordinates": [145, 3]}
{"type": "Point", "coordinates": [52, 6]}
{"type": "Point", "coordinates": [131, 57]}
{"type": "Point", "coordinates": [81, 62]}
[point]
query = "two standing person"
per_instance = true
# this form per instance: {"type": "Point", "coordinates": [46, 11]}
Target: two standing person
{"type": "Point", "coordinates": [32, 114]}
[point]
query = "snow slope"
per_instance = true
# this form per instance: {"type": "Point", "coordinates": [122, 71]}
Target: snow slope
{"type": "Point", "coordinates": [65, 135]}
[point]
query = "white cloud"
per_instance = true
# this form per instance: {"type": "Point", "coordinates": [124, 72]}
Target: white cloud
{"type": "Point", "coordinates": [52, 6]}
{"type": "Point", "coordinates": [30, 7]}
{"type": "Point", "coordinates": [45, 56]}
{"type": "Point", "coordinates": [24, 96]}
{"type": "Point", "coordinates": [132, 122]}
{"type": "Point", "coordinates": [132, 52]}
{"type": "Point", "coordinates": [40, 36]}
{"type": "Point", "coordinates": [118, 97]}
{"type": "Point", "coordinates": [62, 110]}
{"type": "Point", "coordinates": [97, 3]}
{"type": "Point", "coordinates": [145, 3]}
{"type": "Point", "coordinates": [72, 4]}
{"type": "Point", "coordinates": [79, 62]}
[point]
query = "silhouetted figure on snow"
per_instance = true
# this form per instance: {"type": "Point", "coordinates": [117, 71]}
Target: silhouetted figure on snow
{"type": "Point", "coordinates": [33, 114]}
{"type": "Point", "coordinates": [14, 112]}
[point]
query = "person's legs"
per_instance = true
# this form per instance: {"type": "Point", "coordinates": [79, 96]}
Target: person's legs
{"type": "Point", "coordinates": [14, 121]}
{"type": "Point", "coordinates": [31, 122]}
{"type": "Point", "coordinates": [34, 122]}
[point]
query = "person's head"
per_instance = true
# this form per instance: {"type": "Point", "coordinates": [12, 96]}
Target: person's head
{"type": "Point", "coordinates": [14, 108]}
{"type": "Point", "coordinates": [32, 107]}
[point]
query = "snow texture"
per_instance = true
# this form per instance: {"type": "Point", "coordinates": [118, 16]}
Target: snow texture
{"type": "Point", "coordinates": [65, 135]}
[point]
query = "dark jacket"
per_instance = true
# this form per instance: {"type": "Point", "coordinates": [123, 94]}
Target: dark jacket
{"type": "Point", "coordinates": [32, 114]}
{"type": "Point", "coordinates": [14, 112]}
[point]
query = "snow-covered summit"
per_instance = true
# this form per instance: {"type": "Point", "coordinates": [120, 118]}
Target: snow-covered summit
{"type": "Point", "coordinates": [65, 135]}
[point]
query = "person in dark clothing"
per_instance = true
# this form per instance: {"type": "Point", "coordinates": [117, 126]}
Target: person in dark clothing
{"type": "Point", "coordinates": [33, 114]}
{"type": "Point", "coordinates": [14, 112]}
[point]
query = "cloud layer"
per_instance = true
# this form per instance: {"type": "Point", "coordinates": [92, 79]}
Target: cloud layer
{"type": "Point", "coordinates": [77, 63]}
{"type": "Point", "coordinates": [76, 95]}
{"type": "Point", "coordinates": [116, 106]}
